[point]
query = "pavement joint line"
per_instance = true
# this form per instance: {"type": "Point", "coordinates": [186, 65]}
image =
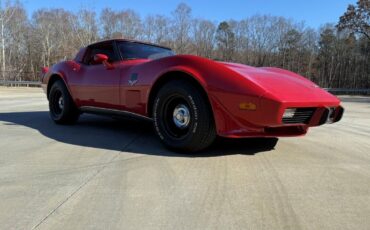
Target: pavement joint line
{"type": "Point", "coordinates": [87, 181]}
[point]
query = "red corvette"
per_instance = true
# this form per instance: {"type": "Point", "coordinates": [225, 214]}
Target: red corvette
{"type": "Point", "coordinates": [190, 99]}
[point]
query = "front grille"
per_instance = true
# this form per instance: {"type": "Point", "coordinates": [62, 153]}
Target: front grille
{"type": "Point", "coordinates": [301, 116]}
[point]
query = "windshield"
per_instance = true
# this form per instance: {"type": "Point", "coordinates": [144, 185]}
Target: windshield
{"type": "Point", "coordinates": [133, 50]}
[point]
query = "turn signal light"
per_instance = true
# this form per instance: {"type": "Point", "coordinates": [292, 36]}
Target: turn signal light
{"type": "Point", "coordinates": [247, 106]}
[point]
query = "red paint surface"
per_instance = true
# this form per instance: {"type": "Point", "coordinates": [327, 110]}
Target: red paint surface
{"type": "Point", "coordinates": [227, 85]}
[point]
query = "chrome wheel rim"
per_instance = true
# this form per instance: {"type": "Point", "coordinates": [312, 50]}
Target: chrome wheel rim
{"type": "Point", "coordinates": [181, 116]}
{"type": "Point", "coordinates": [61, 102]}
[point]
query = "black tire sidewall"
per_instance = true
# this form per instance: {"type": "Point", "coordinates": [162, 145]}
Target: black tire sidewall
{"type": "Point", "coordinates": [201, 125]}
{"type": "Point", "coordinates": [159, 122]}
{"type": "Point", "coordinates": [69, 112]}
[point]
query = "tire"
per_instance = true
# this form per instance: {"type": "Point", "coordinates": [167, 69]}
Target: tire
{"type": "Point", "coordinates": [61, 106]}
{"type": "Point", "coordinates": [183, 117]}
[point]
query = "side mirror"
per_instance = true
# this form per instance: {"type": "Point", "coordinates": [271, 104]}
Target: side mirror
{"type": "Point", "coordinates": [100, 58]}
{"type": "Point", "coordinates": [103, 59]}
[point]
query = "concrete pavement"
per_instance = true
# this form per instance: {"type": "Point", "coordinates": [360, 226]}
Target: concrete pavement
{"type": "Point", "coordinates": [107, 174]}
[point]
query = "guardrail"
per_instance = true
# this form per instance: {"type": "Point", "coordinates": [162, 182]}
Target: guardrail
{"type": "Point", "coordinates": [348, 91]}
{"type": "Point", "coordinates": [21, 83]}
{"type": "Point", "coordinates": [331, 90]}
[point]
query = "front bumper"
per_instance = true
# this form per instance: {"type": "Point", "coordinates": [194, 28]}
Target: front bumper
{"type": "Point", "coordinates": [267, 119]}
{"type": "Point", "coordinates": [326, 115]}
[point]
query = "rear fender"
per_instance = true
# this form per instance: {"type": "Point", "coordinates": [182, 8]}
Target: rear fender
{"type": "Point", "coordinates": [58, 72]}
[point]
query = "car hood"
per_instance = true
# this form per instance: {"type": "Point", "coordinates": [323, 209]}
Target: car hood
{"type": "Point", "coordinates": [281, 84]}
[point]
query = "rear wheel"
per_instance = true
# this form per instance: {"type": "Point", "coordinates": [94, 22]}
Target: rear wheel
{"type": "Point", "coordinates": [61, 106]}
{"type": "Point", "coordinates": [183, 118]}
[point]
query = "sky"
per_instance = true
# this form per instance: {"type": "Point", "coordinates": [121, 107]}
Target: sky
{"type": "Point", "coordinates": [314, 13]}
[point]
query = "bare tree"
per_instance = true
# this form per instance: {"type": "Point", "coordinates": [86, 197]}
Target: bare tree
{"type": "Point", "coordinates": [125, 24]}
{"type": "Point", "coordinates": [204, 32]}
{"type": "Point", "coordinates": [263, 37]}
{"type": "Point", "coordinates": [181, 27]}
{"type": "Point", "coordinates": [108, 21]}
{"type": "Point", "coordinates": [157, 29]}
{"type": "Point", "coordinates": [129, 24]}
{"type": "Point", "coordinates": [16, 49]}
{"type": "Point", "coordinates": [84, 27]}
{"type": "Point", "coordinates": [52, 29]}
{"type": "Point", "coordinates": [6, 15]}
{"type": "Point", "coordinates": [331, 56]}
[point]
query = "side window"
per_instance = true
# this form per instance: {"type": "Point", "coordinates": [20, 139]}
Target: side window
{"type": "Point", "coordinates": [105, 48]}
{"type": "Point", "coordinates": [133, 50]}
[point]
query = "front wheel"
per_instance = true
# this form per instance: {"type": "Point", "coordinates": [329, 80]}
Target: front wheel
{"type": "Point", "coordinates": [61, 106]}
{"type": "Point", "coordinates": [183, 117]}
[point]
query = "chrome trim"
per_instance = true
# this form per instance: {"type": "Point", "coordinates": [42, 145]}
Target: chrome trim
{"type": "Point", "coordinates": [181, 116]}
{"type": "Point", "coordinates": [132, 82]}
{"type": "Point", "coordinates": [331, 115]}
{"type": "Point", "coordinates": [61, 102]}
{"type": "Point", "coordinates": [104, 111]}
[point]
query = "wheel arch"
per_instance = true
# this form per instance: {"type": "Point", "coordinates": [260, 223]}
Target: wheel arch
{"type": "Point", "coordinates": [175, 75]}
{"type": "Point", "coordinates": [53, 78]}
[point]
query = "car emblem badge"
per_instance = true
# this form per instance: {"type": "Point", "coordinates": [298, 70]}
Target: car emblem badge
{"type": "Point", "coordinates": [133, 79]}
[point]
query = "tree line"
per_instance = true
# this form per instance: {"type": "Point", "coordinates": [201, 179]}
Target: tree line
{"type": "Point", "coordinates": [335, 55]}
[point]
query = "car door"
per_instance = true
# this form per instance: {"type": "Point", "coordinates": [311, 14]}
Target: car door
{"type": "Point", "coordinates": [98, 83]}
{"type": "Point", "coordinates": [133, 89]}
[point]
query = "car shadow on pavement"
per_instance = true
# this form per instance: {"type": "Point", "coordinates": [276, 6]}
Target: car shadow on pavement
{"type": "Point", "coordinates": [126, 135]}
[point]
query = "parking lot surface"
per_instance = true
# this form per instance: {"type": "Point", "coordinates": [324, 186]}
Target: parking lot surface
{"type": "Point", "coordinates": [107, 174]}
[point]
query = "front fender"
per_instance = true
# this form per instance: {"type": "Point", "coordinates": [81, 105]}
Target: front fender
{"type": "Point", "coordinates": [225, 89]}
